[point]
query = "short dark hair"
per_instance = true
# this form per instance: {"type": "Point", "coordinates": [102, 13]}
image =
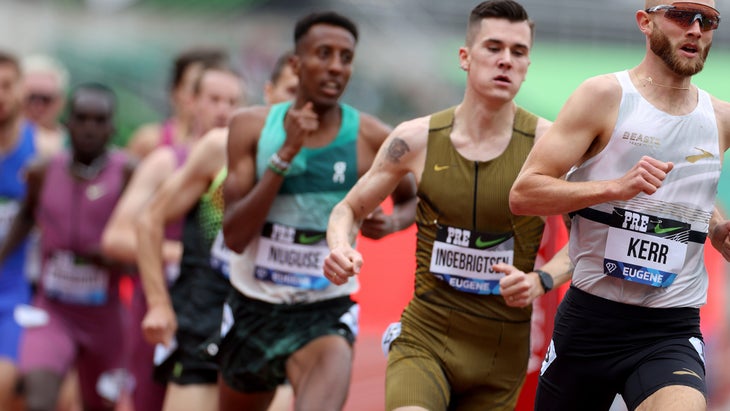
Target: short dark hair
{"type": "Point", "coordinates": [206, 56]}
{"type": "Point", "coordinates": [327, 17]}
{"type": "Point", "coordinates": [281, 62]}
{"type": "Point", "coordinates": [499, 9]}
{"type": "Point", "coordinates": [95, 88]}
{"type": "Point", "coordinates": [9, 59]}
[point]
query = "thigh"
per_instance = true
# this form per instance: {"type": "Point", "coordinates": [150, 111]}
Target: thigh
{"type": "Point", "coordinates": [320, 371]}
{"type": "Point", "coordinates": [486, 362]}
{"type": "Point", "coordinates": [416, 375]}
{"type": "Point", "coordinates": [663, 374]}
{"type": "Point", "coordinates": [230, 399]}
{"type": "Point", "coordinates": [100, 364]}
{"type": "Point", "coordinates": [201, 397]}
{"type": "Point", "coordinates": [51, 346]}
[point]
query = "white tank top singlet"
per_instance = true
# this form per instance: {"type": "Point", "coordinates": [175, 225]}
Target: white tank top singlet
{"type": "Point", "coordinates": [648, 251]}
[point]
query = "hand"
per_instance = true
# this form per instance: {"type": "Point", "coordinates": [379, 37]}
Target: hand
{"type": "Point", "coordinates": [646, 176]}
{"type": "Point", "coordinates": [159, 324]}
{"type": "Point", "coordinates": [517, 288]}
{"type": "Point", "coordinates": [298, 124]}
{"type": "Point", "coordinates": [377, 224]}
{"type": "Point", "coordinates": [720, 238]}
{"type": "Point", "coordinates": [341, 264]}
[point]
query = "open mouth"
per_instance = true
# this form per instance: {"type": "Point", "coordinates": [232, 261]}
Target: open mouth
{"type": "Point", "coordinates": [503, 79]}
{"type": "Point", "coordinates": [689, 48]}
{"type": "Point", "coordinates": [331, 87]}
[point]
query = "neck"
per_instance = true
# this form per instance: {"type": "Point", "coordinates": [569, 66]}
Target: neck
{"type": "Point", "coordinates": [646, 80]}
{"type": "Point", "coordinates": [481, 118]}
{"type": "Point", "coordinates": [88, 169]}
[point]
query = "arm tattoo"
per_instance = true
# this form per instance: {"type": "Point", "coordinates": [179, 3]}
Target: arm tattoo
{"type": "Point", "coordinates": [397, 149]}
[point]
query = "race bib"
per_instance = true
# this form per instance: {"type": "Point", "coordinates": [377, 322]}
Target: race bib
{"type": "Point", "coordinates": [71, 279]}
{"type": "Point", "coordinates": [464, 258]}
{"type": "Point", "coordinates": [291, 257]}
{"type": "Point", "coordinates": [645, 249]}
{"type": "Point", "coordinates": [220, 255]}
{"type": "Point", "coordinates": [8, 211]}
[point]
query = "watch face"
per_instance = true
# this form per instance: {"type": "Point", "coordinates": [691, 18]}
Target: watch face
{"type": "Point", "coordinates": [546, 280]}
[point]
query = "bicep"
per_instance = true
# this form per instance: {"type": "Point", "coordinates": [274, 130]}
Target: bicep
{"type": "Point", "coordinates": [389, 173]}
{"type": "Point", "coordinates": [581, 129]}
{"type": "Point", "coordinates": [177, 195]}
{"type": "Point", "coordinates": [241, 160]}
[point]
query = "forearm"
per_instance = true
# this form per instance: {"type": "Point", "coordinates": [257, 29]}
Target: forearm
{"type": "Point", "coordinates": [559, 267]}
{"type": "Point", "coordinates": [545, 195]}
{"type": "Point", "coordinates": [244, 217]}
{"type": "Point", "coordinates": [150, 263]}
{"type": "Point", "coordinates": [342, 227]}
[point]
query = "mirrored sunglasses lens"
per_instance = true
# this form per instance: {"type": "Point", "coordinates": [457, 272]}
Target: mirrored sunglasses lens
{"type": "Point", "coordinates": [686, 18]}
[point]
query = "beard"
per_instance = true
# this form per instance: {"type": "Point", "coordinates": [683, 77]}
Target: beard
{"type": "Point", "coordinates": [660, 45]}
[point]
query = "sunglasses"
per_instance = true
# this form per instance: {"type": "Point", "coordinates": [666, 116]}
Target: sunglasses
{"type": "Point", "coordinates": [684, 14]}
{"type": "Point", "coordinates": [38, 98]}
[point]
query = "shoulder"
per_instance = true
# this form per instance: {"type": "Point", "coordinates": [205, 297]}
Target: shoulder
{"type": "Point", "coordinates": [246, 116]}
{"type": "Point", "coordinates": [37, 167]}
{"type": "Point", "coordinates": [161, 162]}
{"type": "Point", "coordinates": [145, 139]}
{"type": "Point", "coordinates": [373, 129]}
{"type": "Point", "coordinates": [209, 154]}
{"type": "Point", "coordinates": [414, 130]}
{"type": "Point", "coordinates": [409, 137]}
{"type": "Point", "coordinates": [212, 141]}
{"type": "Point", "coordinates": [600, 87]}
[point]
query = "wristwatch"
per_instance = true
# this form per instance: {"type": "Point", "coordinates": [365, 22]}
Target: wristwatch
{"type": "Point", "coordinates": [546, 280]}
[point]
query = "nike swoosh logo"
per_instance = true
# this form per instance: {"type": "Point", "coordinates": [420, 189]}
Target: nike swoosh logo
{"type": "Point", "coordinates": [484, 244]}
{"type": "Point", "coordinates": [306, 239]}
{"type": "Point", "coordinates": [661, 230]}
{"type": "Point", "coordinates": [438, 168]}
{"type": "Point", "coordinates": [697, 157]}
{"type": "Point", "coordinates": [687, 372]}
{"type": "Point", "coordinates": [95, 192]}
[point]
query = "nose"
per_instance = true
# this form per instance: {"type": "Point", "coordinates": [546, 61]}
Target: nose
{"type": "Point", "coordinates": [505, 60]}
{"type": "Point", "coordinates": [336, 64]}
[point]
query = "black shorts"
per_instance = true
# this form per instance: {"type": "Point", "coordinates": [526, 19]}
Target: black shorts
{"type": "Point", "coordinates": [198, 297]}
{"type": "Point", "coordinates": [601, 348]}
{"type": "Point", "coordinates": [259, 337]}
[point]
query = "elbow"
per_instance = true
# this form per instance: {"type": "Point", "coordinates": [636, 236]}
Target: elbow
{"type": "Point", "coordinates": [517, 202]}
{"type": "Point", "coordinates": [230, 235]}
{"type": "Point", "coordinates": [111, 246]}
